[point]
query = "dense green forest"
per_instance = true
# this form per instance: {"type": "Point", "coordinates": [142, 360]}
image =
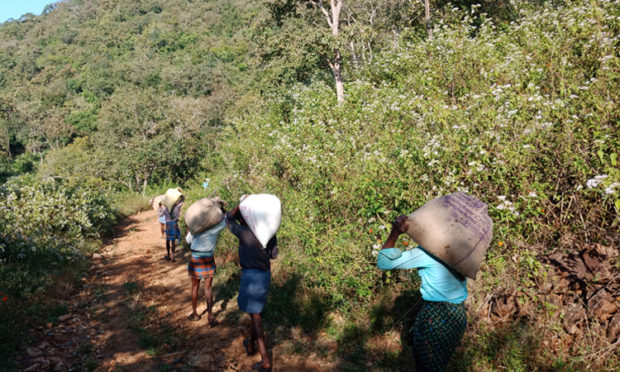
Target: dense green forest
{"type": "Point", "coordinates": [352, 112]}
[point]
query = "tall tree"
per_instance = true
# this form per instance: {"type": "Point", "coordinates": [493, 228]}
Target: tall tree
{"type": "Point", "coordinates": [427, 18]}
{"type": "Point", "coordinates": [297, 47]}
{"type": "Point", "coordinates": [6, 110]}
{"type": "Point", "coordinates": [332, 15]}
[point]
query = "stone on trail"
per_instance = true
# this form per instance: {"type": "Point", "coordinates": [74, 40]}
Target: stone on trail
{"type": "Point", "coordinates": [32, 368]}
{"type": "Point", "coordinates": [613, 330]}
{"type": "Point", "coordinates": [33, 352]}
{"type": "Point", "coordinates": [172, 357]}
{"type": "Point", "coordinates": [202, 361]}
{"type": "Point", "coordinates": [574, 316]}
{"type": "Point", "coordinates": [602, 306]}
{"type": "Point", "coordinates": [59, 367]}
{"type": "Point", "coordinates": [42, 362]}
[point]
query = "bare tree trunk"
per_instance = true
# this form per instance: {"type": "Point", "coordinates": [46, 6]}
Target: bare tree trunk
{"type": "Point", "coordinates": [126, 184]}
{"type": "Point", "coordinates": [337, 71]}
{"type": "Point", "coordinates": [147, 177]}
{"type": "Point", "coordinates": [5, 127]}
{"type": "Point", "coordinates": [6, 139]}
{"type": "Point", "coordinates": [363, 43]}
{"type": "Point", "coordinates": [353, 55]}
{"type": "Point", "coordinates": [333, 20]}
{"type": "Point", "coordinates": [336, 6]}
{"type": "Point", "coordinates": [427, 19]}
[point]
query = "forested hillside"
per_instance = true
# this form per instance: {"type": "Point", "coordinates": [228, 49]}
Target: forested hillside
{"type": "Point", "coordinates": [115, 85]}
{"type": "Point", "coordinates": [352, 112]}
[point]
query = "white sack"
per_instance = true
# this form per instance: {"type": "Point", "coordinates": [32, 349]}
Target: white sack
{"type": "Point", "coordinates": [189, 238]}
{"type": "Point", "coordinates": [155, 202]}
{"type": "Point", "coordinates": [263, 214]}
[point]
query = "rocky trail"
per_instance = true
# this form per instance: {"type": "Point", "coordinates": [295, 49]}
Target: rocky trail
{"type": "Point", "coordinates": [130, 314]}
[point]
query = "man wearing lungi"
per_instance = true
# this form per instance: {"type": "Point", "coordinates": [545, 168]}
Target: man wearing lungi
{"type": "Point", "coordinates": [173, 233]}
{"type": "Point", "coordinates": [202, 266]}
{"type": "Point", "coordinates": [440, 324]}
{"type": "Point", "coordinates": [255, 283]}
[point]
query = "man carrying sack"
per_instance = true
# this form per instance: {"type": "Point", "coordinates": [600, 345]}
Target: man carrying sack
{"type": "Point", "coordinates": [205, 221]}
{"type": "Point", "coordinates": [173, 202]}
{"type": "Point", "coordinates": [255, 222]}
{"type": "Point", "coordinates": [454, 232]}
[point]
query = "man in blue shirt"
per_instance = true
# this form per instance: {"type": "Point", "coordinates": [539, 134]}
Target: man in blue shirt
{"type": "Point", "coordinates": [173, 233]}
{"type": "Point", "coordinates": [440, 324]}
{"type": "Point", "coordinates": [202, 266]}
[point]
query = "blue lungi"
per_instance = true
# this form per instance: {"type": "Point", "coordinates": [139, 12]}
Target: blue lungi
{"type": "Point", "coordinates": [254, 290]}
{"type": "Point", "coordinates": [172, 231]}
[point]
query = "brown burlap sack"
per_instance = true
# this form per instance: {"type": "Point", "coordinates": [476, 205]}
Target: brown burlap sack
{"type": "Point", "coordinates": [155, 202]}
{"type": "Point", "coordinates": [456, 229]}
{"type": "Point", "coordinates": [171, 197]}
{"type": "Point", "coordinates": [204, 214]}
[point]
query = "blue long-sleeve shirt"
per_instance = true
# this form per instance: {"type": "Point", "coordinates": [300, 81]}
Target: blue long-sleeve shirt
{"type": "Point", "coordinates": [438, 283]}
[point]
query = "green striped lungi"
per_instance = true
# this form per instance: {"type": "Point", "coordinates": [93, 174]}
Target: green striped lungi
{"type": "Point", "coordinates": [436, 333]}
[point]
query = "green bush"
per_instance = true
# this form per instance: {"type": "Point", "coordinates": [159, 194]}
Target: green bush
{"type": "Point", "coordinates": [49, 210]}
{"type": "Point", "coordinates": [45, 227]}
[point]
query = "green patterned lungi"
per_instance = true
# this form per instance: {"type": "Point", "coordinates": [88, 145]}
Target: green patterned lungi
{"type": "Point", "coordinates": [436, 333]}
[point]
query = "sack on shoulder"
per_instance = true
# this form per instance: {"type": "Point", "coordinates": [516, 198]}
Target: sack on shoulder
{"type": "Point", "coordinates": [263, 214]}
{"type": "Point", "coordinates": [204, 214]}
{"type": "Point", "coordinates": [454, 228]}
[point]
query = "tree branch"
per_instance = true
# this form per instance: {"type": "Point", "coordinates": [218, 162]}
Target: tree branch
{"type": "Point", "coordinates": [319, 4]}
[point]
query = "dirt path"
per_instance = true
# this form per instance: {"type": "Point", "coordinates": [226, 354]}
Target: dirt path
{"type": "Point", "coordinates": [131, 315]}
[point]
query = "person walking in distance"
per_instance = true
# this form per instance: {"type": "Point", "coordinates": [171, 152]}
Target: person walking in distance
{"type": "Point", "coordinates": [173, 233]}
{"type": "Point", "coordinates": [161, 217]}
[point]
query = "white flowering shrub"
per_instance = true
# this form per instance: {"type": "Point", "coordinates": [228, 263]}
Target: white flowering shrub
{"type": "Point", "coordinates": [523, 116]}
{"type": "Point", "coordinates": [45, 227]}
